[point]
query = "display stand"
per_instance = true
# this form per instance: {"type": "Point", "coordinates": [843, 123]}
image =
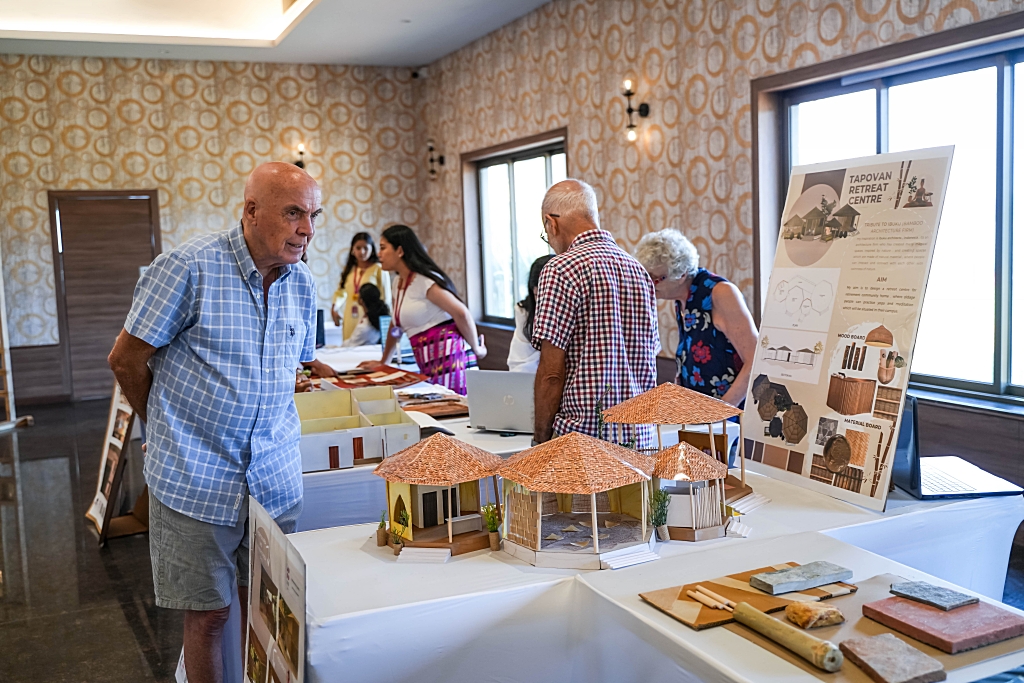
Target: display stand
{"type": "Point", "coordinates": [6, 376]}
{"type": "Point", "coordinates": [108, 487]}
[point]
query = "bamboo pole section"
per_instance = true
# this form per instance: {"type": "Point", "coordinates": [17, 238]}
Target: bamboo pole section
{"type": "Point", "coordinates": [451, 509]}
{"type": "Point", "coordinates": [728, 446]}
{"type": "Point", "coordinates": [693, 506]}
{"type": "Point", "coordinates": [711, 435]}
{"type": "Point", "coordinates": [497, 499]}
{"type": "Point", "coordinates": [593, 519]}
{"type": "Point", "coordinates": [643, 510]}
{"type": "Point", "coordinates": [743, 455]}
{"type": "Point", "coordinates": [540, 516]}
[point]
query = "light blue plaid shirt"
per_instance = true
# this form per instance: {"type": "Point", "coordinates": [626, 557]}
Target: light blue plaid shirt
{"type": "Point", "coordinates": [221, 414]}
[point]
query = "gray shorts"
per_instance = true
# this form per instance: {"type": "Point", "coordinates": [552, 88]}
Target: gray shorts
{"type": "Point", "coordinates": [197, 565]}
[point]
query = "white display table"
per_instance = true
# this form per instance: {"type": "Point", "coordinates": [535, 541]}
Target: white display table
{"type": "Point", "coordinates": [487, 617]}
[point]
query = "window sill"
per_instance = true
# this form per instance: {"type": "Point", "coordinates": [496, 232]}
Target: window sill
{"type": "Point", "coordinates": [499, 326]}
{"type": "Point", "coordinates": [1003, 406]}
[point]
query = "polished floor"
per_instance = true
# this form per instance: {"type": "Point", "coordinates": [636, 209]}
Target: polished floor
{"type": "Point", "coordinates": [71, 611]}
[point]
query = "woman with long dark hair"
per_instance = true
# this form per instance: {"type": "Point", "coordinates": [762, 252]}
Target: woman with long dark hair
{"type": "Point", "coordinates": [522, 357]}
{"type": "Point", "coordinates": [427, 308]}
{"type": "Point", "coordinates": [367, 330]}
{"type": "Point", "coordinates": [363, 266]}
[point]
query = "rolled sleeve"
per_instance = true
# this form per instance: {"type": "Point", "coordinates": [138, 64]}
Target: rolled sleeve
{"type": "Point", "coordinates": [163, 301]}
{"type": "Point", "coordinates": [557, 309]}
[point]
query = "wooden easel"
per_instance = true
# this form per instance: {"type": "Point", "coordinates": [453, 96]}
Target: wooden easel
{"type": "Point", "coordinates": [108, 488]}
{"type": "Point", "coordinates": [6, 377]}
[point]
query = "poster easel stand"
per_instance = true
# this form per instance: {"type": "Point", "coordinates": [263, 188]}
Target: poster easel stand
{"type": "Point", "coordinates": [112, 466]}
{"type": "Point", "coordinates": [11, 419]}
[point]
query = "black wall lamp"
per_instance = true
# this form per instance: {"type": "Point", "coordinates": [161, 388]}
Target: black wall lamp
{"type": "Point", "coordinates": [433, 161]}
{"type": "Point", "coordinates": [301, 163]}
{"type": "Point", "coordinates": [642, 109]}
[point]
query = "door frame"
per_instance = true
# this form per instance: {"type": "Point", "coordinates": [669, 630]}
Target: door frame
{"type": "Point", "coordinates": [54, 198]}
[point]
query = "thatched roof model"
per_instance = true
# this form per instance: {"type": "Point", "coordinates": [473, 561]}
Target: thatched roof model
{"type": "Point", "coordinates": [684, 462]}
{"type": "Point", "coordinates": [671, 404]}
{"type": "Point", "coordinates": [577, 463]}
{"type": "Point", "coordinates": [440, 460]}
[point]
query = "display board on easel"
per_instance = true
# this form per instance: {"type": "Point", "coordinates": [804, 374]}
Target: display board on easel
{"type": "Point", "coordinates": [276, 632]}
{"type": "Point", "coordinates": [108, 488]}
{"type": "Point", "coordinates": [840, 320]}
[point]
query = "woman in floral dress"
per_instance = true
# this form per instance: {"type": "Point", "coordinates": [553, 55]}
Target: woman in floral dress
{"type": "Point", "coordinates": [717, 336]}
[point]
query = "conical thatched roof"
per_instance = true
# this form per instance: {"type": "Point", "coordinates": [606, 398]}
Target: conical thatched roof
{"type": "Point", "coordinates": [440, 460]}
{"type": "Point", "coordinates": [684, 462]}
{"type": "Point", "coordinates": [577, 463]}
{"type": "Point", "coordinates": [670, 404]}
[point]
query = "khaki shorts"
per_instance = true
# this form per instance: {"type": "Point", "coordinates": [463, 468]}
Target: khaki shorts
{"type": "Point", "coordinates": [197, 565]}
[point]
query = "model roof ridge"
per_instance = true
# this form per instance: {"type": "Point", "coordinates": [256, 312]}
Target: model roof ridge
{"type": "Point", "coordinates": [670, 403]}
{"type": "Point", "coordinates": [440, 460]}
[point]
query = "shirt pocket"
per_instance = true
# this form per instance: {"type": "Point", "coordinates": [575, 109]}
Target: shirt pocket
{"type": "Point", "coordinates": [288, 336]}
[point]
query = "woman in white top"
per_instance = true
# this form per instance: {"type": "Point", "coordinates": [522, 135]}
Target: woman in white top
{"type": "Point", "coordinates": [522, 357]}
{"type": "Point", "coordinates": [367, 330]}
{"type": "Point", "coordinates": [427, 309]}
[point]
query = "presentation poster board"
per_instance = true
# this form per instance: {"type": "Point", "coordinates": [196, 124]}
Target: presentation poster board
{"type": "Point", "coordinates": [119, 429]}
{"type": "Point", "coordinates": [840, 319]}
{"type": "Point", "coordinates": [275, 648]}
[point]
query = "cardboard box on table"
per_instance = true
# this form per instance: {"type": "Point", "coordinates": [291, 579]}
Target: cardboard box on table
{"type": "Point", "coordinates": [380, 406]}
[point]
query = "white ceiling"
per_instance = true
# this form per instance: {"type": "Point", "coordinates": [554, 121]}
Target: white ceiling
{"type": "Point", "coordinates": [374, 32]}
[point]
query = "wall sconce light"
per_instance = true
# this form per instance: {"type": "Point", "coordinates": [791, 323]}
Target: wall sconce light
{"type": "Point", "coordinates": [642, 109]}
{"type": "Point", "coordinates": [301, 163]}
{"type": "Point", "coordinates": [433, 161]}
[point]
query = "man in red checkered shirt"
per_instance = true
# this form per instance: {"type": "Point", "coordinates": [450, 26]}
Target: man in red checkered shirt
{"type": "Point", "coordinates": [596, 324]}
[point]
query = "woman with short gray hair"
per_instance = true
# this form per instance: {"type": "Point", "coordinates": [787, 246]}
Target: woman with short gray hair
{"type": "Point", "coordinates": [717, 336]}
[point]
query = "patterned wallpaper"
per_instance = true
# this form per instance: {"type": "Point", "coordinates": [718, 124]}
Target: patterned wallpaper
{"type": "Point", "coordinates": [194, 130]}
{"type": "Point", "coordinates": [563, 65]}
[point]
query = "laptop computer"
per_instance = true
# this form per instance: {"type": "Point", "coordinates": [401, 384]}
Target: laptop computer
{"type": "Point", "coordinates": [500, 401]}
{"type": "Point", "coordinates": [939, 476]}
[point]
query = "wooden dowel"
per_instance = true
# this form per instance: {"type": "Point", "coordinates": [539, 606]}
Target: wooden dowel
{"type": "Point", "coordinates": [743, 455]}
{"type": "Point", "coordinates": [711, 434]}
{"type": "Point", "coordinates": [706, 601]}
{"type": "Point", "coordinates": [593, 519]}
{"type": "Point", "coordinates": [715, 596]}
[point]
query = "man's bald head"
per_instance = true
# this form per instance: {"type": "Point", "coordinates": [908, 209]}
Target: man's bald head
{"type": "Point", "coordinates": [568, 210]}
{"type": "Point", "coordinates": [282, 203]}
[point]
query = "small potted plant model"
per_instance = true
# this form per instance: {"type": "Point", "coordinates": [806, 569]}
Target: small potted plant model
{"type": "Point", "coordinates": [382, 532]}
{"type": "Point", "coordinates": [490, 513]}
{"type": "Point", "coordinates": [659, 512]}
{"type": "Point", "coordinates": [398, 529]}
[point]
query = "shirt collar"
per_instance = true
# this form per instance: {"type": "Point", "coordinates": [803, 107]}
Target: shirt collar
{"type": "Point", "coordinates": [591, 236]}
{"type": "Point", "coordinates": [236, 242]}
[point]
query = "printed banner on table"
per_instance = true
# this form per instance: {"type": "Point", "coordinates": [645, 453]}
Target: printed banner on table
{"type": "Point", "coordinates": [840, 320]}
{"type": "Point", "coordinates": [276, 632]}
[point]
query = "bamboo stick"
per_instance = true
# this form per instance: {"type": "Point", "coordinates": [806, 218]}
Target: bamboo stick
{"type": "Point", "coordinates": [451, 509]}
{"type": "Point", "coordinates": [593, 519]}
{"type": "Point", "coordinates": [725, 436]}
{"type": "Point", "coordinates": [693, 508]}
{"type": "Point", "coordinates": [820, 653]}
{"type": "Point", "coordinates": [711, 434]}
{"type": "Point", "coordinates": [497, 498]}
{"type": "Point", "coordinates": [643, 510]}
{"type": "Point", "coordinates": [743, 455]}
{"type": "Point", "coordinates": [540, 517]}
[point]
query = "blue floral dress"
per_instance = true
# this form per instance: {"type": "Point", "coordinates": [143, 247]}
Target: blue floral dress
{"type": "Point", "coordinates": [705, 359]}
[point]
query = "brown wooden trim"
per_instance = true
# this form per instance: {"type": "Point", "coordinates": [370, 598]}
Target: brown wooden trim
{"type": "Point", "coordinates": [978, 33]}
{"type": "Point", "coordinates": [516, 145]}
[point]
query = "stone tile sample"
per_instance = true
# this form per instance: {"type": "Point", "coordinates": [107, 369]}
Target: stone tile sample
{"type": "Point", "coordinates": [814, 614]}
{"type": "Point", "coordinates": [800, 578]}
{"type": "Point", "coordinates": [930, 594]}
{"type": "Point", "coordinates": [887, 659]}
{"type": "Point", "coordinates": [964, 628]}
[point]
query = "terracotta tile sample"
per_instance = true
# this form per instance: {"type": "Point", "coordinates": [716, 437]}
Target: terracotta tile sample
{"type": "Point", "coordinates": [887, 659]}
{"type": "Point", "coordinates": [964, 628]}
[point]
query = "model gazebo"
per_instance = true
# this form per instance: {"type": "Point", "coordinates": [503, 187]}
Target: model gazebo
{"type": "Point", "coordinates": [576, 502]}
{"type": "Point", "coordinates": [695, 483]}
{"type": "Point", "coordinates": [671, 404]}
{"type": "Point", "coordinates": [436, 483]}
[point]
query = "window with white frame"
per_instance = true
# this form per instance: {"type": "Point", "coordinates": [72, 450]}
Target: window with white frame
{"type": "Point", "coordinates": [511, 189]}
{"type": "Point", "coordinates": [971, 335]}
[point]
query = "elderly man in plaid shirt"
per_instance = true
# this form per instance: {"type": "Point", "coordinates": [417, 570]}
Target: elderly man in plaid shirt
{"type": "Point", "coordinates": [207, 358]}
{"type": "Point", "coordinates": [596, 323]}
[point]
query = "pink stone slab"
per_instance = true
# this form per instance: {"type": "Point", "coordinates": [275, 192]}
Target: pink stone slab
{"type": "Point", "coordinates": [964, 628]}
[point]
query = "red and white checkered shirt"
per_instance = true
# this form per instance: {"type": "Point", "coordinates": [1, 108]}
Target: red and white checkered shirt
{"type": "Point", "coordinates": [596, 302]}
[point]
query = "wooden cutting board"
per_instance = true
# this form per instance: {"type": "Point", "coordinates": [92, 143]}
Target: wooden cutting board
{"type": "Point", "coordinates": [736, 587]}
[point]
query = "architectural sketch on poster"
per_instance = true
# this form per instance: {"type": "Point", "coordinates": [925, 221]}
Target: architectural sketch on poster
{"type": "Point", "coordinates": [840, 321]}
{"type": "Point", "coordinates": [276, 632]}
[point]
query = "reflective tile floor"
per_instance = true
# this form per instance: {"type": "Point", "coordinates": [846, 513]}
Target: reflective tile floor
{"type": "Point", "coordinates": [73, 612]}
{"type": "Point", "coordinates": [70, 611]}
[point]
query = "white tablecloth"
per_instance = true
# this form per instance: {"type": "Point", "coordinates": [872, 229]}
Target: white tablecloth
{"type": "Point", "coordinates": [487, 617]}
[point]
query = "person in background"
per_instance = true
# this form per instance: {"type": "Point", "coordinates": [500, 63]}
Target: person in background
{"type": "Point", "coordinates": [363, 266]}
{"type": "Point", "coordinates": [596, 324]}
{"type": "Point", "coordinates": [717, 335]}
{"type": "Point", "coordinates": [207, 359]}
{"type": "Point", "coordinates": [367, 331]}
{"type": "Point", "coordinates": [522, 357]}
{"type": "Point", "coordinates": [427, 309]}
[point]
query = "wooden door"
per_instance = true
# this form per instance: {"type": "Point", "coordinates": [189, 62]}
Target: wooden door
{"type": "Point", "coordinates": [101, 239]}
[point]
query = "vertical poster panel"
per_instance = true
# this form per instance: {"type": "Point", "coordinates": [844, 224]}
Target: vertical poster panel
{"type": "Point", "coordinates": [840, 320]}
{"type": "Point", "coordinates": [115, 439]}
{"type": "Point", "coordinates": [276, 632]}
